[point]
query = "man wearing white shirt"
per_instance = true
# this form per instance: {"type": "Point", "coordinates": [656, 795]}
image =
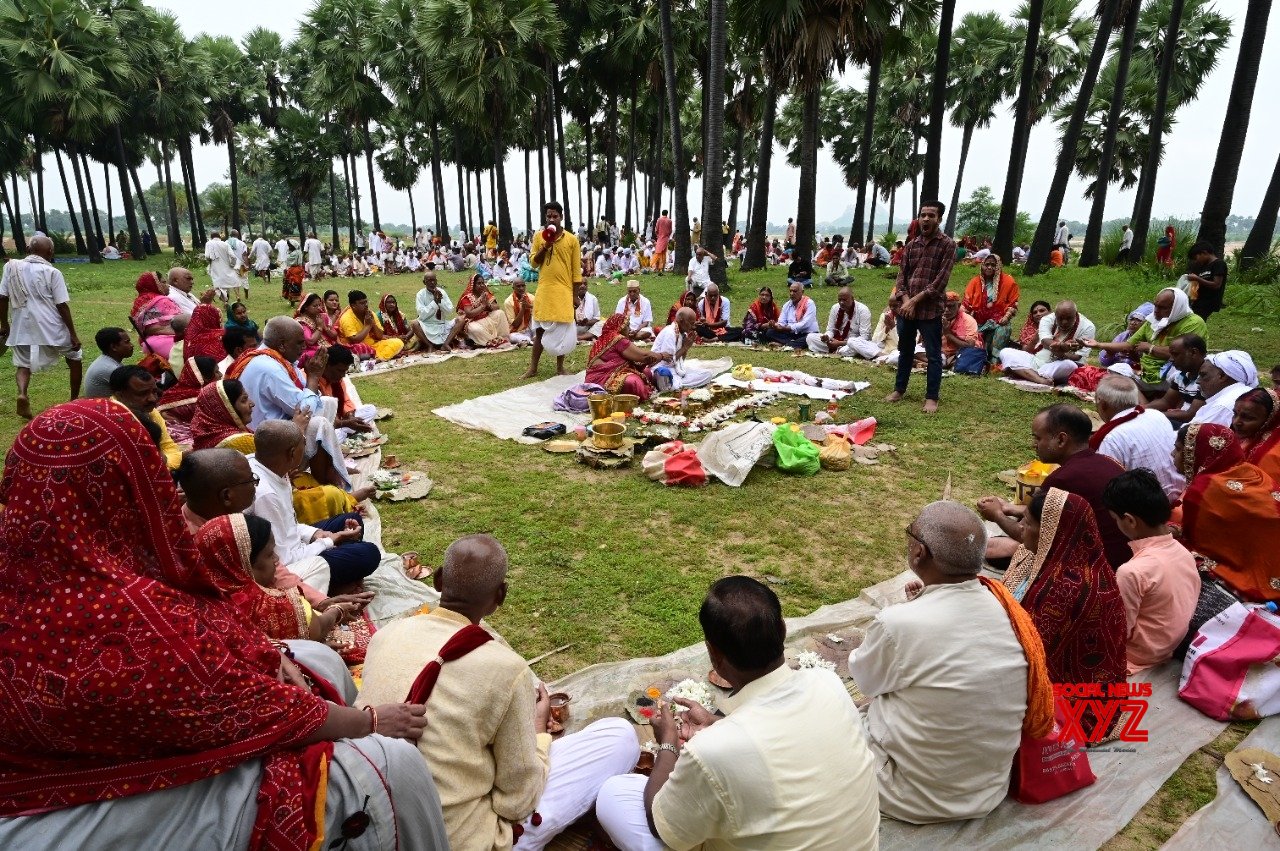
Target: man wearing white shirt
{"type": "Point", "coordinates": [1136, 436]}
{"type": "Point", "coordinates": [639, 313]}
{"type": "Point", "coordinates": [375, 244]}
{"type": "Point", "coordinates": [282, 251]}
{"type": "Point", "coordinates": [673, 343]}
{"type": "Point", "coordinates": [1061, 238]}
{"type": "Point", "coordinates": [848, 330]}
{"type": "Point", "coordinates": [799, 319]}
{"type": "Point", "coordinates": [1062, 334]}
{"type": "Point", "coordinates": [42, 330]}
{"type": "Point", "coordinates": [1224, 378]}
{"type": "Point", "coordinates": [181, 282]}
{"type": "Point", "coordinates": [222, 265]}
{"type": "Point", "coordinates": [699, 274]}
{"type": "Point", "coordinates": [312, 250]}
{"type": "Point", "coordinates": [714, 311]}
{"type": "Point", "coordinates": [1126, 242]}
{"type": "Point", "coordinates": [278, 451]}
{"type": "Point", "coordinates": [586, 312]}
{"type": "Point", "coordinates": [240, 253]}
{"type": "Point", "coordinates": [261, 253]}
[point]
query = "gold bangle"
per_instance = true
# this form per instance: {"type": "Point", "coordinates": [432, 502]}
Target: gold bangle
{"type": "Point", "coordinates": [373, 717]}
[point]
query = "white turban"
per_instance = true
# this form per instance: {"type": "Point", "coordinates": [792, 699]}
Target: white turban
{"type": "Point", "coordinates": [1236, 365]}
{"type": "Point", "coordinates": [1181, 310]}
{"type": "Point", "coordinates": [1121, 369]}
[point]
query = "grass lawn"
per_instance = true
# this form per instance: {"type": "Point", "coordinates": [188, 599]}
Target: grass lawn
{"type": "Point", "coordinates": [617, 565]}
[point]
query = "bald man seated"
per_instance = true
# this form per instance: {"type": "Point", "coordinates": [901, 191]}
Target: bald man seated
{"type": "Point", "coordinates": [344, 557]}
{"type": "Point", "coordinates": [927, 663]}
{"type": "Point", "coordinates": [1060, 351]}
{"type": "Point", "coordinates": [499, 774]}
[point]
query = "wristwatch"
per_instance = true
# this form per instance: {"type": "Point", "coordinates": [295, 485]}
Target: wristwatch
{"type": "Point", "coordinates": [669, 747]}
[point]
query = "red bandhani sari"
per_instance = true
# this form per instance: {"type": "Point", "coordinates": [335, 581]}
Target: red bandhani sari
{"type": "Point", "coordinates": [215, 419]}
{"type": "Point", "coordinates": [395, 324]}
{"type": "Point", "coordinates": [204, 334]}
{"type": "Point", "coordinates": [607, 367]}
{"type": "Point", "coordinates": [1231, 512]}
{"type": "Point", "coordinates": [126, 668]}
{"type": "Point", "coordinates": [1070, 591]}
{"type": "Point", "coordinates": [177, 404]}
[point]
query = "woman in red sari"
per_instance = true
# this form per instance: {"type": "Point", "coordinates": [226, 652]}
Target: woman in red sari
{"type": "Point", "coordinates": [991, 298]}
{"type": "Point", "coordinates": [203, 338]}
{"type": "Point", "coordinates": [1230, 512]}
{"type": "Point", "coordinates": [178, 403]}
{"type": "Point", "coordinates": [395, 323]}
{"type": "Point", "coordinates": [221, 419]}
{"type": "Point", "coordinates": [1061, 577]}
{"type": "Point", "coordinates": [136, 693]}
{"type": "Point", "coordinates": [687, 299]}
{"type": "Point", "coordinates": [1257, 425]}
{"type": "Point", "coordinates": [761, 312]}
{"type": "Point", "coordinates": [617, 364]}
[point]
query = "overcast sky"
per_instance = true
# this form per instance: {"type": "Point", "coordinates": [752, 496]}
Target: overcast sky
{"type": "Point", "coordinates": [1179, 193]}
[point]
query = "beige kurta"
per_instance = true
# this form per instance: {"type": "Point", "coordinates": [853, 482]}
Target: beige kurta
{"type": "Point", "coordinates": [488, 764]}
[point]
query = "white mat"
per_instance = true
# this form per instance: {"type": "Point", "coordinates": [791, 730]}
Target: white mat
{"type": "Point", "coordinates": [1232, 820]}
{"type": "Point", "coordinates": [507, 414]}
{"type": "Point", "coordinates": [1086, 819]}
{"type": "Point", "coordinates": [793, 388]}
{"type": "Point", "coordinates": [428, 360]}
{"type": "Point", "coordinates": [1033, 387]}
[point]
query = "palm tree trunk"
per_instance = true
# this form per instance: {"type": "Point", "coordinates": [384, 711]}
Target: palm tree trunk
{"type": "Point", "coordinates": [965, 139]}
{"type": "Point", "coordinates": [871, 222]}
{"type": "Point", "coordinates": [355, 191]}
{"type": "Point", "coordinates": [1042, 243]}
{"type": "Point", "coordinates": [1003, 242]}
{"type": "Point", "coordinates": [893, 200]}
{"type": "Point", "coordinates": [106, 181]}
{"type": "Point", "coordinates": [1141, 220]}
{"type": "Point", "coordinates": [168, 218]}
{"type": "Point", "coordinates": [739, 144]}
{"type": "Point", "coordinates": [493, 191]}
{"type": "Point", "coordinates": [1222, 182]}
{"type": "Point", "coordinates": [126, 199]}
{"type": "Point", "coordinates": [175, 233]}
{"type": "Point", "coordinates": [713, 173]}
{"type": "Point", "coordinates": [938, 104]}
{"type": "Point", "coordinates": [915, 176]}
{"type": "Point", "coordinates": [631, 158]}
{"type": "Point", "coordinates": [591, 213]}
{"type": "Point", "coordinates": [528, 194]}
{"type": "Point", "coordinates": [15, 217]}
{"type": "Point", "coordinates": [235, 181]}
{"type": "Point", "coordinates": [93, 202]}
{"type": "Point", "coordinates": [759, 202]}
{"type": "Point", "coordinates": [864, 149]}
{"type": "Point", "coordinates": [81, 248]}
{"type": "Point", "coordinates": [351, 218]}
{"type": "Point", "coordinates": [611, 160]}
{"type": "Point", "coordinates": [471, 210]}
{"type": "Point", "coordinates": [751, 195]}
{"type": "Point", "coordinates": [558, 89]}
{"type": "Point", "coordinates": [42, 209]}
{"type": "Point", "coordinates": [94, 240]}
{"type": "Point", "coordinates": [35, 207]}
{"type": "Point", "coordinates": [462, 197]}
{"type": "Point", "coordinates": [146, 212]}
{"type": "Point", "coordinates": [373, 188]}
{"type": "Point", "coordinates": [480, 219]}
{"type": "Point", "coordinates": [549, 136]}
{"type": "Point", "coordinates": [578, 175]}
{"type": "Point", "coordinates": [499, 177]}
{"type": "Point", "coordinates": [311, 215]}
{"type": "Point", "coordinates": [442, 217]}
{"type": "Point", "coordinates": [805, 204]}
{"type": "Point", "coordinates": [297, 215]}
{"type": "Point", "coordinates": [193, 208]}
{"type": "Point", "coordinates": [539, 130]}
{"type": "Point", "coordinates": [681, 191]}
{"type": "Point", "coordinates": [333, 210]}
{"type": "Point", "coordinates": [1089, 253]}
{"type": "Point", "coordinates": [1258, 245]}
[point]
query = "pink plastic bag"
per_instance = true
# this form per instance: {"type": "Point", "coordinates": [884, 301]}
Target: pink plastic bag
{"type": "Point", "coordinates": [1230, 671]}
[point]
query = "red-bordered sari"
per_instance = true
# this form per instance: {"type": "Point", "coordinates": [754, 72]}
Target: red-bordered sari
{"type": "Point", "coordinates": [215, 420]}
{"type": "Point", "coordinates": [607, 367]}
{"type": "Point", "coordinates": [1264, 450]}
{"type": "Point", "coordinates": [204, 334]}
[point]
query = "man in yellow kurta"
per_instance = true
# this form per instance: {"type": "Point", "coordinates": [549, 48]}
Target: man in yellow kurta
{"type": "Point", "coordinates": [558, 258]}
{"type": "Point", "coordinates": [358, 324]}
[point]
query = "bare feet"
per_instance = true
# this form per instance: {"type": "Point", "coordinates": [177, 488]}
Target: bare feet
{"type": "Point", "coordinates": [895, 396]}
{"type": "Point", "coordinates": [530, 373]}
{"type": "Point", "coordinates": [562, 371]}
{"type": "Point", "coordinates": [24, 408]}
{"type": "Point", "coordinates": [931, 406]}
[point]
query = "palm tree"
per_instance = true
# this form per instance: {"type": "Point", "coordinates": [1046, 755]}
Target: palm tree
{"type": "Point", "coordinates": [1002, 244]}
{"type": "Point", "coordinates": [984, 54]}
{"type": "Point", "coordinates": [1141, 219]}
{"type": "Point", "coordinates": [681, 235]}
{"type": "Point", "coordinates": [938, 101]}
{"type": "Point", "coordinates": [264, 52]}
{"type": "Point", "coordinates": [1042, 243]}
{"type": "Point", "coordinates": [1258, 244]}
{"type": "Point", "coordinates": [1222, 181]}
{"type": "Point", "coordinates": [713, 169]}
{"type": "Point", "coordinates": [231, 89]}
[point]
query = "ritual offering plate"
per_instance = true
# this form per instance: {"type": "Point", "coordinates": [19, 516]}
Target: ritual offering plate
{"type": "Point", "coordinates": [562, 446]}
{"type": "Point", "coordinates": [401, 485]}
{"type": "Point", "coordinates": [605, 459]}
{"type": "Point", "coordinates": [361, 446]}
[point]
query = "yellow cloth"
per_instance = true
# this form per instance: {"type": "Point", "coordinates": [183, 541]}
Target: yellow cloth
{"type": "Point", "coordinates": [350, 326]}
{"type": "Point", "coordinates": [242, 443]}
{"type": "Point", "coordinates": [489, 766]}
{"type": "Point", "coordinates": [560, 270]}
{"type": "Point", "coordinates": [313, 502]}
{"type": "Point", "coordinates": [168, 448]}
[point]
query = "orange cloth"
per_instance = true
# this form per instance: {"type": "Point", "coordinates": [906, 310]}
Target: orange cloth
{"type": "Point", "coordinates": [975, 298]}
{"type": "Point", "coordinates": [1039, 718]}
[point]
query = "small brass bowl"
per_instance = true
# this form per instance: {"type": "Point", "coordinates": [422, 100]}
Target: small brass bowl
{"type": "Point", "coordinates": [608, 435]}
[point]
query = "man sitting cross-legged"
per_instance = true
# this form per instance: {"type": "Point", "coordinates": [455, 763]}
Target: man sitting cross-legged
{"type": "Point", "coordinates": [759, 776]}
{"type": "Point", "coordinates": [936, 759]}
{"type": "Point", "coordinates": [848, 330]}
{"type": "Point", "coordinates": [338, 541]}
{"type": "Point", "coordinates": [499, 774]}
{"type": "Point", "coordinates": [1060, 351]}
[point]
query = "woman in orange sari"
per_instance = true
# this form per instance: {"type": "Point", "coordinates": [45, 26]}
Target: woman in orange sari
{"type": "Point", "coordinates": [1257, 425]}
{"type": "Point", "coordinates": [991, 298]}
{"type": "Point", "coordinates": [617, 364]}
{"type": "Point", "coordinates": [172, 706]}
{"type": "Point", "coordinates": [1230, 512]}
{"type": "Point", "coordinates": [483, 321]}
{"type": "Point", "coordinates": [761, 312]}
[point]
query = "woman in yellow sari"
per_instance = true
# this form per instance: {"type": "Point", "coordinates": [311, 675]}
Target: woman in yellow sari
{"type": "Point", "coordinates": [358, 324]}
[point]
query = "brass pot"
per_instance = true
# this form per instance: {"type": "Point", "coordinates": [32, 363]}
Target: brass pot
{"type": "Point", "coordinates": [608, 435]}
{"type": "Point", "coordinates": [601, 406]}
{"type": "Point", "coordinates": [625, 403]}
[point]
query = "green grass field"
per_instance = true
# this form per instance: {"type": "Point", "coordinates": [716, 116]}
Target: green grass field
{"type": "Point", "coordinates": [616, 565]}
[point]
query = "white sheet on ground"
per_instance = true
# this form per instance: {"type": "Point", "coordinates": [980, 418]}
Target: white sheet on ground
{"type": "Point", "coordinates": [1232, 820]}
{"type": "Point", "coordinates": [1085, 819]}
{"type": "Point", "coordinates": [794, 388]}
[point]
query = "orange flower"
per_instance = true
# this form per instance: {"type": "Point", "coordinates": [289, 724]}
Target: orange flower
{"type": "Point", "coordinates": [653, 692]}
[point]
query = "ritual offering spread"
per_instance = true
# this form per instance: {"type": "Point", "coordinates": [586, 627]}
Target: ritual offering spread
{"type": "Point", "coordinates": [360, 445]}
{"type": "Point", "coordinates": [399, 486]}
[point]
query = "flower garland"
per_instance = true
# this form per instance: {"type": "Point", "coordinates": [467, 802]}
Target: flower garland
{"type": "Point", "coordinates": [714, 417]}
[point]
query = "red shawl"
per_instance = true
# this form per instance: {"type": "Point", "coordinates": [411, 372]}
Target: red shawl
{"type": "Point", "coordinates": [398, 324]}
{"type": "Point", "coordinates": [844, 320]}
{"type": "Point", "coordinates": [1029, 339]}
{"type": "Point", "coordinates": [764, 314]}
{"type": "Point", "coordinates": [153, 680]}
{"type": "Point", "coordinates": [523, 310]}
{"type": "Point", "coordinates": [609, 335]}
{"type": "Point", "coordinates": [1111, 425]}
{"type": "Point", "coordinates": [237, 368]}
{"type": "Point", "coordinates": [204, 334]}
{"type": "Point", "coordinates": [215, 418]}
{"type": "Point", "coordinates": [177, 402]}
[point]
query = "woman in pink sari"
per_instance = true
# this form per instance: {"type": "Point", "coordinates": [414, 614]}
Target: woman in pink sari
{"type": "Point", "coordinates": [317, 332]}
{"type": "Point", "coordinates": [152, 315]}
{"type": "Point", "coordinates": [619, 365]}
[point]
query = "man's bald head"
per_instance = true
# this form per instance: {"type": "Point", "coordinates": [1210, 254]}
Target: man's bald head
{"type": "Point", "coordinates": [711, 289]}
{"type": "Point", "coordinates": [474, 570]}
{"type": "Point", "coordinates": [686, 317]}
{"type": "Point", "coordinates": [1066, 312]}
{"type": "Point", "coordinates": [955, 536]}
{"type": "Point", "coordinates": [216, 482]}
{"type": "Point", "coordinates": [274, 440]}
{"type": "Point", "coordinates": [41, 246]}
{"type": "Point", "coordinates": [181, 279]}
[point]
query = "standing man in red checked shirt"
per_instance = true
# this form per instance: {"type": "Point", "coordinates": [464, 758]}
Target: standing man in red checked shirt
{"type": "Point", "coordinates": [917, 301]}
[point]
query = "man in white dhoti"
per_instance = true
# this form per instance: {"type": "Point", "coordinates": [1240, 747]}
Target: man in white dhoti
{"type": "Point", "coordinates": [435, 325]}
{"type": "Point", "coordinates": [673, 343]}
{"type": "Point", "coordinates": [312, 252]}
{"type": "Point", "coordinates": [41, 330]}
{"type": "Point", "coordinates": [222, 265]}
{"type": "Point", "coordinates": [586, 312]}
{"type": "Point", "coordinates": [1060, 352]}
{"type": "Point", "coordinates": [240, 252]}
{"type": "Point", "coordinates": [261, 252]}
{"type": "Point", "coordinates": [282, 251]}
{"type": "Point", "coordinates": [488, 745]}
{"type": "Point", "coordinates": [848, 331]}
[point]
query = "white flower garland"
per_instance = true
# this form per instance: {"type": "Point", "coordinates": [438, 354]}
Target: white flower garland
{"type": "Point", "coordinates": [714, 417]}
{"type": "Point", "coordinates": [809, 659]}
{"type": "Point", "coordinates": [695, 690]}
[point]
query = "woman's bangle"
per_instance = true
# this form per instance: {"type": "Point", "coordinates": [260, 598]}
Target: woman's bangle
{"type": "Point", "coordinates": [373, 718]}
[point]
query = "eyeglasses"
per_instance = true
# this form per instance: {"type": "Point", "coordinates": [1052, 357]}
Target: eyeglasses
{"type": "Point", "coordinates": [252, 480]}
{"type": "Point", "coordinates": [913, 536]}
